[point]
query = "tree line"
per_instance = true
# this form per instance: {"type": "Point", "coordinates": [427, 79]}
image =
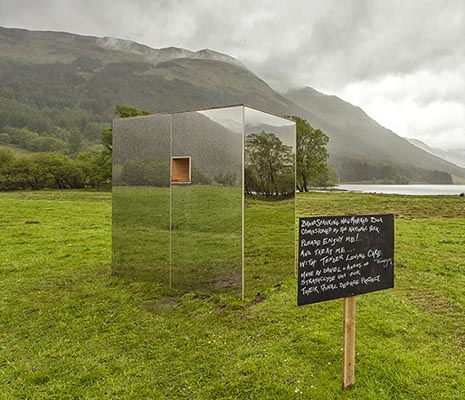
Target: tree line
{"type": "Point", "coordinates": [60, 165]}
{"type": "Point", "coordinates": [357, 170]}
{"type": "Point", "coordinates": [58, 170]}
{"type": "Point", "coordinates": [67, 130]}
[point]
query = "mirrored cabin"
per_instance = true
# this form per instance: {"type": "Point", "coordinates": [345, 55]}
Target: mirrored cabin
{"type": "Point", "coordinates": [204, 200]}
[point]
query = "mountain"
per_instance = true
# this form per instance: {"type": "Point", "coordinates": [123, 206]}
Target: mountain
{"type": "Point", "coordinates": [456, 156]}
{"type": "Point", "coordinates": [354, 135]}
{"type": "Point", "coordinates": [57, 90]}
{"type": "Point", "coordinates": [48, 47]}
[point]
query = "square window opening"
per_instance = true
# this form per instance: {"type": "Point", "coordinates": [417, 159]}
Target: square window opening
{"type": "Point", "coordinates": [181, 169]}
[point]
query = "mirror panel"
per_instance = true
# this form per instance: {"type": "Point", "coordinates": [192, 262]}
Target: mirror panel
{"type": "Point", "coordinates": [269, 192]}
{"type": "Point", "coordinates": [205, 200]}
{"type": "Point", "coordinates": [206, 227]}
{"type": "Point", "coordinates": [141, 198]}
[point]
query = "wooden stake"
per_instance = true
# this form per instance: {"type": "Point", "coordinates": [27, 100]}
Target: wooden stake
{"type": "Point", "coordinates": [348, 374]}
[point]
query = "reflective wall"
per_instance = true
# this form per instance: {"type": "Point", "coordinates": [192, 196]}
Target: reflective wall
{"type": "Point", "coordinates": [221, 215]}
{"type": "Point", "coordinates": [141, 198]}
{"type": "Point", "coordinates": [269, 193]}
{"type": "Point", "coordinates": [206, 235]}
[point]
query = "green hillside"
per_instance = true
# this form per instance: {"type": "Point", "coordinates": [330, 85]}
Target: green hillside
{"type": "Point", "coordinates": [456, 156]}
{"type": "Point", "coordinates": [58, 89]}
{"type": "Point", "coordinates": [368, 141]}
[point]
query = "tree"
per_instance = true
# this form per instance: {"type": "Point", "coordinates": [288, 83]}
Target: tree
{"type": "Point", "coordinates": [6, 161]}
{"type": "Point", "coordinates": [107, 137]}
{"type": "Point", "coordinates": [311, 155]}
{"type": "Point", "coordinates": [75, 140]}
{"type": "Point", "coordinates": [127, 111]}
{"type": "Point", "coordinates": [95, 166]}
{"type": "Point", "coordinates": [55, 170]}
{"type": "Point", "coordinates": [123, 112]}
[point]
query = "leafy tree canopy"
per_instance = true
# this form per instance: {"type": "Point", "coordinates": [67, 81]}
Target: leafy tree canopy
{"type": "Point", "coordinates": [126, 111]}
{"type": "Point", "coordinates": [123, 112]}
{"type": "Point", "coordinates": [312, 156]}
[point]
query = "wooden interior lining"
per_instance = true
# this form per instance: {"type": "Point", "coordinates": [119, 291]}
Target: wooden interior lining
{"type": "Point", "coordinates": [181, 169]}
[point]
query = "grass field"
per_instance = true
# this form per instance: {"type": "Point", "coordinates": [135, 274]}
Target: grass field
{"type": "Point", "coordinates": [72, 331]}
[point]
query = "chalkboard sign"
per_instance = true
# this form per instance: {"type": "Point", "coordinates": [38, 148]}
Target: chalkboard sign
{"type": "Point", "coordinates": [344, 256]}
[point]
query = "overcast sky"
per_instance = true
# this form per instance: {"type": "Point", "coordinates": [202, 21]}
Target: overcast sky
{"type": "Point", "coordinates": [402, 61]}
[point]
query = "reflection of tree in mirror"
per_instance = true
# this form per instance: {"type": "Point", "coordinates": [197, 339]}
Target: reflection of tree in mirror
{"type": "Point", "coordinates": [269, 166]}
{"type": "Point", "coordinates": [146, 173]}
{"type": "Point", "coordinates": [200, 178]}
{"type": "Point", "coordinates": [227, 179]}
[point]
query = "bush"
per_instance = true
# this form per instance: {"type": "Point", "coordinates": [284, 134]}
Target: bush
{"type": "Point", "coordinates": [52, 170]}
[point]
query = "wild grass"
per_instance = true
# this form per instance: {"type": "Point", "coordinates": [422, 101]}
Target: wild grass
{"type": "Point", "coordinates": [71, 330]}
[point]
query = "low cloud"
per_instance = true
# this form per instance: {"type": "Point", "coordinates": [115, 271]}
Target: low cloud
{"type": "Point", "coordinates": [423, 105]}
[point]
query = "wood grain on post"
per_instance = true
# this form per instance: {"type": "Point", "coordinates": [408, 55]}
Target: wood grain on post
{"type": "Point", "coordinates": [348, 374]}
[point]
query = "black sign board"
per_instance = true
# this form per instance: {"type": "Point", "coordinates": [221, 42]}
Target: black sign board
{"type": "Point", "coordinates": [344, 256]}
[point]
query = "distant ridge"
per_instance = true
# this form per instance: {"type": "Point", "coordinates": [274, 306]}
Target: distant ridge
{"type": "Point", "coordinates": [355, 135]}
{"type": "Point", "coordinates": [34, 46]}
{"type": "Point", "coordinates": [456, 156]}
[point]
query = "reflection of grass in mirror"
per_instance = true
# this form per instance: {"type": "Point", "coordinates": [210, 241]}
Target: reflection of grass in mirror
{"type": "Point", "coordinates": [269, 243]}
{"type": "Point", "coordinates": [206, 208]}
{"type": "Point", "coordinates": [141, 233]}
{"type": "Point", "coordinates": [206, 237]}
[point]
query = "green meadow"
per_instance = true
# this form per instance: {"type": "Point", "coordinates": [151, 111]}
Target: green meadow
{"type": "Point", "coordinates": [70, 329]}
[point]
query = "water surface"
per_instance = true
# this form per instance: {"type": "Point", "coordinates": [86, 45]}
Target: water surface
{"type": "Point", "coordinates": [418, 190]}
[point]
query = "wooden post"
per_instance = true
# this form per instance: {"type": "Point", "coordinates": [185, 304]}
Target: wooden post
{"type": "Point", "coordinates": [348, 374]}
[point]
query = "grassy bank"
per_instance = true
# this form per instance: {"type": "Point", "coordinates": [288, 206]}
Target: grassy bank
{"type": "Point", "coordinates": [70, 330]}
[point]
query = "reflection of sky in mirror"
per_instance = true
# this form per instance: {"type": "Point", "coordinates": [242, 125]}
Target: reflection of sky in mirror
{"type": "Point", "coordinates": [255, 117]}
{"type": "Point", "coordinates": [257, 121]}
{"type": "Point", "coordinates": [229, 117]}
